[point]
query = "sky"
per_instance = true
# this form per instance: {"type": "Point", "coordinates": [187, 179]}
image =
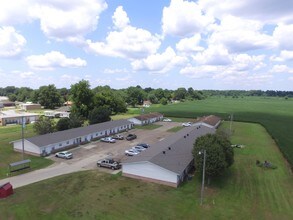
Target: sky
{"type": "Point", "coordinates": [204, 44]}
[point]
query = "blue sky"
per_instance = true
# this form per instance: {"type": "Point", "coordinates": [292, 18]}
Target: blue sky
{"type": "Point", "coordinates": [202, 44]}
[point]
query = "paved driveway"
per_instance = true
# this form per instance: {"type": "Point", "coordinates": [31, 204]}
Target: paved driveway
{"type": "Point", "coordinates": [86, 156]}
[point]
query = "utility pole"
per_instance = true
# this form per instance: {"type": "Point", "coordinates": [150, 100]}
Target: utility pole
{"type": "Point", "coordinates": [203, 176]}
{"type": "Point", "coordinates": [22, 136]}
{"type": "Point", "coordinates": [231, 120]}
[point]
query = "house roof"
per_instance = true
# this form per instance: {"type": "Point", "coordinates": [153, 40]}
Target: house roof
{"type": "Point", "coordinates": [14, 114]}
{"type": "Point", "coordinates": [60, 136]}
{"type": "Point", "coordinates": [175, 152]}
{"type": "Point", "coordinates": [148, 116]}
{"type": "Point", "coordinates": [210, 120]}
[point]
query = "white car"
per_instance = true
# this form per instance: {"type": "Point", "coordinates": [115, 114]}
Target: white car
{"type": "Point", "coordinates": [108, 140]}
{"type": "Point", "coordinates": [131, 152]}
{"type": "Point", "coordinates": [138, 148]}
{"type": "Point", "coordinates": [64, 155]}
{"type": "Point", "coordinates": [186, 124]}
{"type": "Point", "coordinates": [167, 119]}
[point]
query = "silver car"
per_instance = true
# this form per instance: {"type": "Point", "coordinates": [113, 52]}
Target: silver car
{"type": "Point", "coordinates": [64, 155]}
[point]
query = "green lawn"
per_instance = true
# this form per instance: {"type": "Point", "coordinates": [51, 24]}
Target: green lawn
{"type": "Point", "coordinates": [7, 155]}
{"type": "Point", "coordinates": [244, 192]}
{"type": "Point", "coordinates": [175, 129]}
{"type": "Point", "coordinates": [148, 127]}
{"type": "Point", "coordinates": [275, 114]}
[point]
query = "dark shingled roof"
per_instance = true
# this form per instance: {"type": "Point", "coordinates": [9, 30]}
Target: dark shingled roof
{"type": "Point", "coordinates": [56, 137]}
{"type": "Point", "coordinates": [211, 120]}
{"type": "Point", "coordinates": [148, 116]}
{"type": "Point", "coordinates": [175, 152]}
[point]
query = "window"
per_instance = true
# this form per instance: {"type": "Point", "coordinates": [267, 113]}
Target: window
{"type": "Point", "coordinates": [60, 145]}
{"type": "Point", "coordinates": [67, 142]}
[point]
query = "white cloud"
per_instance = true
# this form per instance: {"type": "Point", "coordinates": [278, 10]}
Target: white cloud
{"type": "Point", "coordinates": [238, 66]}
{"type": "Point", "coordinates": [124, 79]}
{"type": "Point", "coordinates": [14, 12]}
{"type": "Point", "coordinates": [58, 19]}
{"type": "Point", "coordinates": [285, 55]}
{"type": "Point", "coordinates": [112, 71]}
{"type": "Point", "coordinates": [61, 20]}
{"type": "Point", "coordinates": [11, 43]}
{"type": "Point", "coordinates": [183, 18]}
{"type": "Point", "coordinates": [283, 34]}
{"type": "Point", "coordinates": [281, 69]}
{"type": "Point", "coordinates": [52, 60]}
{"type": "Point", "coordinates": [120, 18]}
{"type": "Point", "coordinates": [245, 62]}
{"type": "Point", "coordinates": [189, 45]}
{"type": "Point", "coordinates": [239, 35]}
{"type": "Point", "coordinates": [130, 42]}
{"type": "Point", "coordinates": [198, 72]}
{"type": "Point", "coordinates": [214, 55]}
{"type": "Point", "coordinates": [159, 63]}
{"type": "Point", "coordinates": [270, 11]}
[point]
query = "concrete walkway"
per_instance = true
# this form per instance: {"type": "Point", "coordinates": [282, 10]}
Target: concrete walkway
{"type": "Point", "coordinates": [51, 171]}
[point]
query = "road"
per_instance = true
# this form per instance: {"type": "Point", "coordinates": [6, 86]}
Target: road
{"type": "Point", "coordinates": [86, 156]}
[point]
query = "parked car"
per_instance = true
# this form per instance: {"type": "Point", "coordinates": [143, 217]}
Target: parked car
{"type": "Point", "coordinates": [108, 140]}
{"type": "Point", "coordinates": [118, 137]}
{"type": "Point", "coordinates": [139, 148]}
{"type": "Point", "coordinates": [143, 145]}
{"type": "Point", "coordinates": [131, 137]}
{"type": "Point", "coordinates": [109, 163]}
{"type": "Point", "coordinates": [131, 152]}
{"type": "Point", "coordinates": [167, 119]}
{"type": "Point", "coordinates": [186, 124]}
{"type": "Point", "coordinates": [64, 155]}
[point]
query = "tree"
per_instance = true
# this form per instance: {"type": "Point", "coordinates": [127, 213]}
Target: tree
{"type": "Point", "coordinates": [49, 97]}
{"type": "Point", "coordinates": [82, 97]}
{"type": "Point", "coordinates": [135, 96]}
{"type": "Point", "coordinates": [44, 125]}
{"type": "Point", "coordinates": [99, 114]}
{"type": "Point", "coordinates": [164, 101]}
{"type": "Point", "coordinates": [76, 120]}
{"type": "Point", "coordinates": [219, 154]}
{"type": "Point", "coordinates": [63, 124]}
{"type": "Point", "coordinates": [153, 99]}
{"type": "Point", "coordinates": [105, 96]}
{"type": "Point", "coordinates": [180, 94]}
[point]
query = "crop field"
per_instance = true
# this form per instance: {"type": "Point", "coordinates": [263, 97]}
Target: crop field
{"type": "Point", "coordinates": [245, 191]}
{"type": "Point", "coordinates": [275, 114]}
{"type": "Point", "coordinates": [7, 155]}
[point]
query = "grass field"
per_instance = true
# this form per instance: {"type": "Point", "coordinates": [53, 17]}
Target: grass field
{"type": "Point", "coordinates": [275, 114]}
{"type": "Point", "coordinates": [244, 192]}
{"type": "Point", "coordinates": [7, 155]}
{"type": "Point", "coordinates": [148, 127]}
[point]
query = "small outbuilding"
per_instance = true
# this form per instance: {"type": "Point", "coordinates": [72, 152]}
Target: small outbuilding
{"type": "Point", "coordinates": [146, 119]}
{"type": "Point", "coordinates": [211, 121]}
{"type": "Point", "coordinates": [6, 190]}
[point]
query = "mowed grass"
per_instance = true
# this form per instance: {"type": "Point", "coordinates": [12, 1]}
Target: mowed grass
{"type": "Point", "coordinates": [148, 127]}
{"type": "Point", "coordinates": [7, 155]}
{"type": "Point", "coordinates": [275, 114]}
{"type": "Point", "coordinates": [245, 191]}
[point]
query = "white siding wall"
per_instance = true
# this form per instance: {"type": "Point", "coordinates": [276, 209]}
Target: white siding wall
{"type": "Point", "coordinates": [149, 170]}
{"type": "Point", "coordinates": [28, 147]}
{"type": "Point", "coordinates": [135, 121]}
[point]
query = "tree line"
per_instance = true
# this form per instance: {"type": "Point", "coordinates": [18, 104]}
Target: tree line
{"type": "Point", "coordinates": [50, 97]}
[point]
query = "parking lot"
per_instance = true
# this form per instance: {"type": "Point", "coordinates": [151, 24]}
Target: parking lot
{"type": "Point", "coordinates": [89, 153]}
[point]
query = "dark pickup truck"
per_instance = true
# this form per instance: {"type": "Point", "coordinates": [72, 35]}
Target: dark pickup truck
{"type": "Point", "coordinates": [109, 163]}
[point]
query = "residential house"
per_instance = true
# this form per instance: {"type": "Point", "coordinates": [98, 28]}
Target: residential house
{"type": "Point", "coordinates": [146, 119]}
{"type": "Point", "coordinates": [13, 117]}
